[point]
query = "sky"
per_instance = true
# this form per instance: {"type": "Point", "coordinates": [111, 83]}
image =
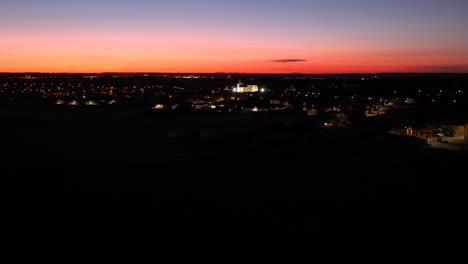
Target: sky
{"type": "Point", "coordinates": [257, 36]}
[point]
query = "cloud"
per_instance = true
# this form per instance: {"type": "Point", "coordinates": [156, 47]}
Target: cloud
{"type": "Point", "coordinates": [288, 60]}
{"type": "Point", "coordinates": [441, 67]}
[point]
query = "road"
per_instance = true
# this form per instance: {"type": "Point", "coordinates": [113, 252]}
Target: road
{"type": "Point", "coordinates": [455, 143]}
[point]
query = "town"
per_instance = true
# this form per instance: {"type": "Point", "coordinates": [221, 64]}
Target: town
{"type": "Point", "coordinates": [432, 107]}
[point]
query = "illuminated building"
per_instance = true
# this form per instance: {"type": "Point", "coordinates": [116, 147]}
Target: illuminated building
{"type": "Point", "coordinates": [241, 88]}
{"type": "Point", "coordinates": [159, 107]}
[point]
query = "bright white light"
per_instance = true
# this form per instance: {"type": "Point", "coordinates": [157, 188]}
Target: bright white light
{"type": "Point", "coordinates": [262, 90]}
{"type": "Point", "coordinates": [234, 90]}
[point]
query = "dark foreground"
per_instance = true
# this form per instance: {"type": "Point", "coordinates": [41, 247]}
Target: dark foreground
{"type": "Point", "coordinates": [133, 171]}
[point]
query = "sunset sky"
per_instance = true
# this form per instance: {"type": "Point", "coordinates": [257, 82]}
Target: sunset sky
{"type": "Point", "coordinates": [275, 36]}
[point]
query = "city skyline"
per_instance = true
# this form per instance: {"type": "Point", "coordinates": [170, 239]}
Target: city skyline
{"type": "Point", "coordinates": [234, 36]}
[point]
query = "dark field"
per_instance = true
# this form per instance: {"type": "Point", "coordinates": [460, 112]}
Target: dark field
{"type": "Point", "coordinates": [134, 170]}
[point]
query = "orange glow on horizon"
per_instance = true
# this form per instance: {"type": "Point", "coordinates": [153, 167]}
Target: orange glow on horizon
{"type": "Point", "coordinates": [93, 52]}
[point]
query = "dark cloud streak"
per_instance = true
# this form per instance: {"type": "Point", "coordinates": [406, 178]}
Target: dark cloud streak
{"type": "Point", "coordinates": [441, 67]}
{"type": "Point", "coordinates": [288, 60]}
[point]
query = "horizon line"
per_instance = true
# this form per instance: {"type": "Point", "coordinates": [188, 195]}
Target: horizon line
{"type": "Point", "coordinates": [253, 73]}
